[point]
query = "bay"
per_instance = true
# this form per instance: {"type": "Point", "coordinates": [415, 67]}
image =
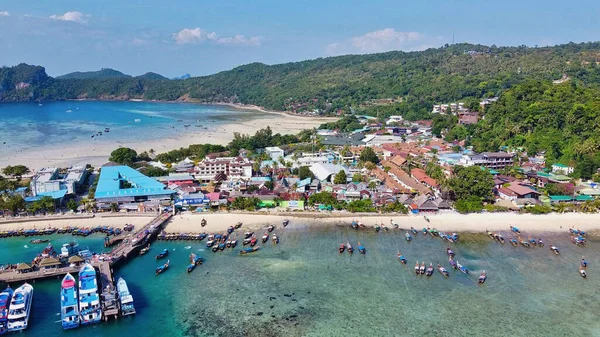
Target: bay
{"type": "Point", "coordinates": [304, 287]}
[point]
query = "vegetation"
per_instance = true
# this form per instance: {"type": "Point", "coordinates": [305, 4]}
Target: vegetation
{"type": "Point", "coordinates": [123, 155]}
{"type": "Point", "coordinates": [322, 198]}
{"type": "Point", "coordinates": [470, 204]}
{"type": "Point", "coordinates": [471, 186]}
{"type": "Point", "coordinates": [16, 171]}
{"type": "Point", "coordinates": [368, 155]}
{"type": "Point", "coordinates": [96, 75]}
{"type": "Point", "coordinates": [340, 178]}
{"type": "Point", "coordinates": [365, 205]}
{"type": "Point", "coordinates": [305, 172]}
{"type": "Point", "coordinates": [247, 204]}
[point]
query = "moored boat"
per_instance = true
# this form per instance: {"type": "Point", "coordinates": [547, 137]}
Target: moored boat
{"type": "Point", "coordinates": [5, 298]}
{"type": "Point", "coordinates": [145, 250]}
{"type": "Point", "coordinates": [443, 270]}
{"type": "Point", "coordinates": [513, 242]}
{"type": "Point", "coordinates": [408, 237]}
{"type": "Point", "coordinates": [429, 270]}
{"type": "Point", "coordinates": [230, 229]}
{"type": "Point", "coordinates": [249, 250]}
{"type": "Point", "coordinates": [422, 268]}
{"type": "Point", "coordinates": [34, 241]}
{"type": "Point", "coordinates": [401, 258]}
{"type": "Point", "coordinates": [164, 253]}
{"type": "Point", "coordinates": [500, 238]}
{"type": "Point", "coordinates": [265, 237]}
{"type": "Point", "coordinates": [361, 248]}
{"type": "Point", "coordinates": [161, 269]}
{"type": "Point", "coordinates": [275, 238]}
{"type": "Point", "coordinates": [270, 228]}
{"type": "Point", "coordinates": [286, 222]}
{"type": "Point", "coordinates": [449, 252]}
{"type": "Point", "coordinates": [354, 225]}
{"type": "Point", "coordinates": [582, 272]}
{"type": "Point", "coordinates": [414, 231]}
{"type": "Point", "coordinates": [394, 223]}
{"type": "Point", "coordinates": [238, 225]}
{"type": "Point", "coordinates": [525, 244]}
{"type": "Point", "coordinates": [554, 249]}
{"type": "Point", "coordinates": [125, 298]}
{"type": "Point", "coordinates": [350, 248]}
{"type": "Point", "coordinates": [20, 308]}
{"type": "Point", "coordinates": [462, 268]}
{"type": "Point", "coordinates": [253, 241]}
{"type": "Point", "coordinates": [515, 230]}
{"type": "Point", "coordinates": [540, 243]}
{"type": "Point", "coordinates": [377, 228]}
{"type": "Point", "coordinates": [89, 301]}
{"type": "Point", "coordinates": [248, 235]}
{"type": "Point", "coordinates": [584, 263]}
{"type": "Point", "coordinates": [482, 277]}
{"type": "Point", "coordinates": [342, 248]}
{"type": "Point", "coordinates": [452, 262]}
{"type": "Point", "coordinates": [69, 305]}
{"type": "Point", "coordinates": [417, 268]}
{"type": "Point", "coordinates": [233, 243]}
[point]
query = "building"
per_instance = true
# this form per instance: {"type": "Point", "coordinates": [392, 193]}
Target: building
{"type": "Point", "coordinates": [274, 152]}
{"type": "Point", "coordinates": [326, 172]}
{"type": "Point", "coordinates": [50, 180]}
{"type": "Point", "coordinates": [394, 119]}
{"type": "Point", "coordinates": [233, 167]}
{"type": "Point", "coordinates": [376, 140]}
{"type": "Point", "coordinates": [559, 168]}
{"type": "Point", "coordinates": [492, 160]}
{"type": "Point", "coordinates": [513, 191]}
{"type": "Point", "coordinates": [122, 184]}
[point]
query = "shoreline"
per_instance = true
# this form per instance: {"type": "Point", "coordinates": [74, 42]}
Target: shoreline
{"type": "Point", "coordinates": [97, 153]}
{"type": "Point", "coordinates": [219, 222]}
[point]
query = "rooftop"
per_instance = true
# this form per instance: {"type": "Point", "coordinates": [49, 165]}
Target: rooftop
{"type": "Point", "coordinates": [111, 176]}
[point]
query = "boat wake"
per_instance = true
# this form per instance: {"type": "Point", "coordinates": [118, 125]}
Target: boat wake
{"type": "Point", "coordinates": [186, 247]}
{"type": "Point", "coordinates": [25, 246]}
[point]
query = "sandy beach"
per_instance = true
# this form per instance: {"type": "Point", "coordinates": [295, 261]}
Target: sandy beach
{"type": "Point", "coordinates": [97, 154]}
{"type": "Point", "coordinates": [218, 222]}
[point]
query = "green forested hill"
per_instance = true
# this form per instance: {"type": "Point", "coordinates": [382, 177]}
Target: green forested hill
{"type": "Point", "coordinates": [95, 75]}
{"type": "Point", "coordinates": [418, 78]}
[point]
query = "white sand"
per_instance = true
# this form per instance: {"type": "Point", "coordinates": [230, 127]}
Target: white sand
{"type": "Point", "coordinates": [446, 222]}
{"type": "Point", "coordinates": [219, 222]}
{"type": "Point", "coordinates": [97, 154]}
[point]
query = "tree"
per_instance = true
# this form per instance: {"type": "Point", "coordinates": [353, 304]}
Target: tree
{"type": "Point", "coordinates": [14, 203]}
{"type": "Point", "coordinates": [123, 155]}
{"type": "Point", "coordinates": [472, 181]}
{"type": "Point", "coordinates": [340, 178]}
{"type": "Point", "coordinates": [305, 172]}
{"type": "Point", "coordinates": [270, 185]}
{"type": "Point", "coordinates": [152, 171]}
{"type": "Point", "coordinates": [323, 198]}
{"type": "Point", "coordinates": [72, 205]}
{"type": "Point", "coordinates": [469, 205]}
{"type": "Point", "coordinates": [357, 178]}
{"type": "Point", "coordinates": [368, 155]}
{"type": "Point", "coordinates": [16, 171]}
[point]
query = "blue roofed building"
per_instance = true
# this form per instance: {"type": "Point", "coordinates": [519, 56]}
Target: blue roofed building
{"type": "Point", "coordinates": [124, 185]}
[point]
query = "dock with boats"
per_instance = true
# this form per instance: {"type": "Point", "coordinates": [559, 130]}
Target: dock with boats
{"type": "Point", "coordinates": [127, 247]}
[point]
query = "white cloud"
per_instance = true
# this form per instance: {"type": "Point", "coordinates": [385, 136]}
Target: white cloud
{"type": "Point", "coordinates": [4, 13]}
{"type": "Point", "coordinates": [379, 41]}
{"type": "Point", "coordinates": [198, 35]}
{"type": "Point", "coordinates": [72, 16]}
{"type": "Point", "coordinates": [138, 41]}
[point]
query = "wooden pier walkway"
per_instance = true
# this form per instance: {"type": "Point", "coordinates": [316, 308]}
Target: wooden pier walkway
{"type": "Point", "coordinates": [11, 276]}
{"type": "Point", "coordinates": [108, 296]}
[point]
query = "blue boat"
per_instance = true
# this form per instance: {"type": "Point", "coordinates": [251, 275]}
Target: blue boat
{"type": "Point", "coordinates": [249, 250]}
{"type": "Point", "coordinates": [401, 258]}
{"type": "Point", "coordinates": [462, 269]}
{"type": "Point", "coordinates": [5, 298]}
{"type": "Point", "coordinates": [408, 237]}
{"type": "Point", "coordinates": [69, 305]}
{"type": "Point", "coordinates": [361, 248]}
{"type": "Point", "coordinates": [89, 301]}
{"type": "Point", "coordinates": [195, 260]}
{"type": "Point", "coordinates": [161, 269]}
{"type": "Point", "coordinates": [20, 308]}
{"type": "Point", "coordinates": [164, 253]}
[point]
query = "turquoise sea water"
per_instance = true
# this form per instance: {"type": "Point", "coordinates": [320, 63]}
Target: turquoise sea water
{"type": "Point", "coordinates": [304, 287]}
{"type": "Point", "coordinates": [27, 125]}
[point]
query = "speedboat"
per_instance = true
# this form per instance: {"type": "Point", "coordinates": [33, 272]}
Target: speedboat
{"type": "Point", "coordinates": [401, 258]}
{"type": "Point", "coordinates": [408, 237]}
{"type": "Point", "coordinates": [449, 252]}
{"type": "Point", "coordinates": [69, 305]}
{"type": "Point", "coordinates": [89, 301]}
{"type": "Point", "coordinates": [286, 222]}
{"type": "Point", "coordinates": [275, 239]}
{"type": "Point", "coordinates": [554, 249]}
{"type": "Point", "coordinates": [350, 248]}
{"type": "Point", "coordinates": [429, 270]}
{"type": "Point", "coordinates": [443, 270]}
{"type": "Point", "coordinates": [361, 248]}
{"type": "Point", "coordinates": [249, 250]}
{"type": "Point", "coordinates": [5, 298]}
{"type": "Point", "coordinates": [342, 248]}
{"type": "Point", "coordinates": [164, 253]}
{"type": "Point", "coordinates": [125, 298]}
{"type": "Point", "coordinates": [462, 269]}
{"type": "Point", "coordinates": [422, 268]}
{"type": "Point", "coordinates": [482, 277]}
{"type": "Point", "coordinates": [265, 237]}
{"type": "Point", "coordinates": [145, 250]}
{"type": "Point", "coordinates": [161, 269]}
{"type": "Point", "coordinates": [270, 228]}
{"type": "Point", "coordinates": [20, 308]}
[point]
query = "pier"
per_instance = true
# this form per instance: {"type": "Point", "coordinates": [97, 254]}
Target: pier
{"type": "Point", "coordinates": [128, 248]}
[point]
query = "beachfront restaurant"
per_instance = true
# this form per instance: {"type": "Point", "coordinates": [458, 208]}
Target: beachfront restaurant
{"type": "Point", "coordinates": [123, 185]}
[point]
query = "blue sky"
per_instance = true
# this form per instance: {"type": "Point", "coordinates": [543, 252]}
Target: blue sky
{"type": "Point", "coordinates": [202, 37]}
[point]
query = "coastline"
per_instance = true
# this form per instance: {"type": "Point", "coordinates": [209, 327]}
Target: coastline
{"type": "Point", "coordinates": [97, 153]}
{"type": "Point", "coordinates": [254, 221]}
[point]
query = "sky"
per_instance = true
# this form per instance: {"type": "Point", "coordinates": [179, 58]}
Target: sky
{"type": "Point", "coordinates": [202, 37]}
